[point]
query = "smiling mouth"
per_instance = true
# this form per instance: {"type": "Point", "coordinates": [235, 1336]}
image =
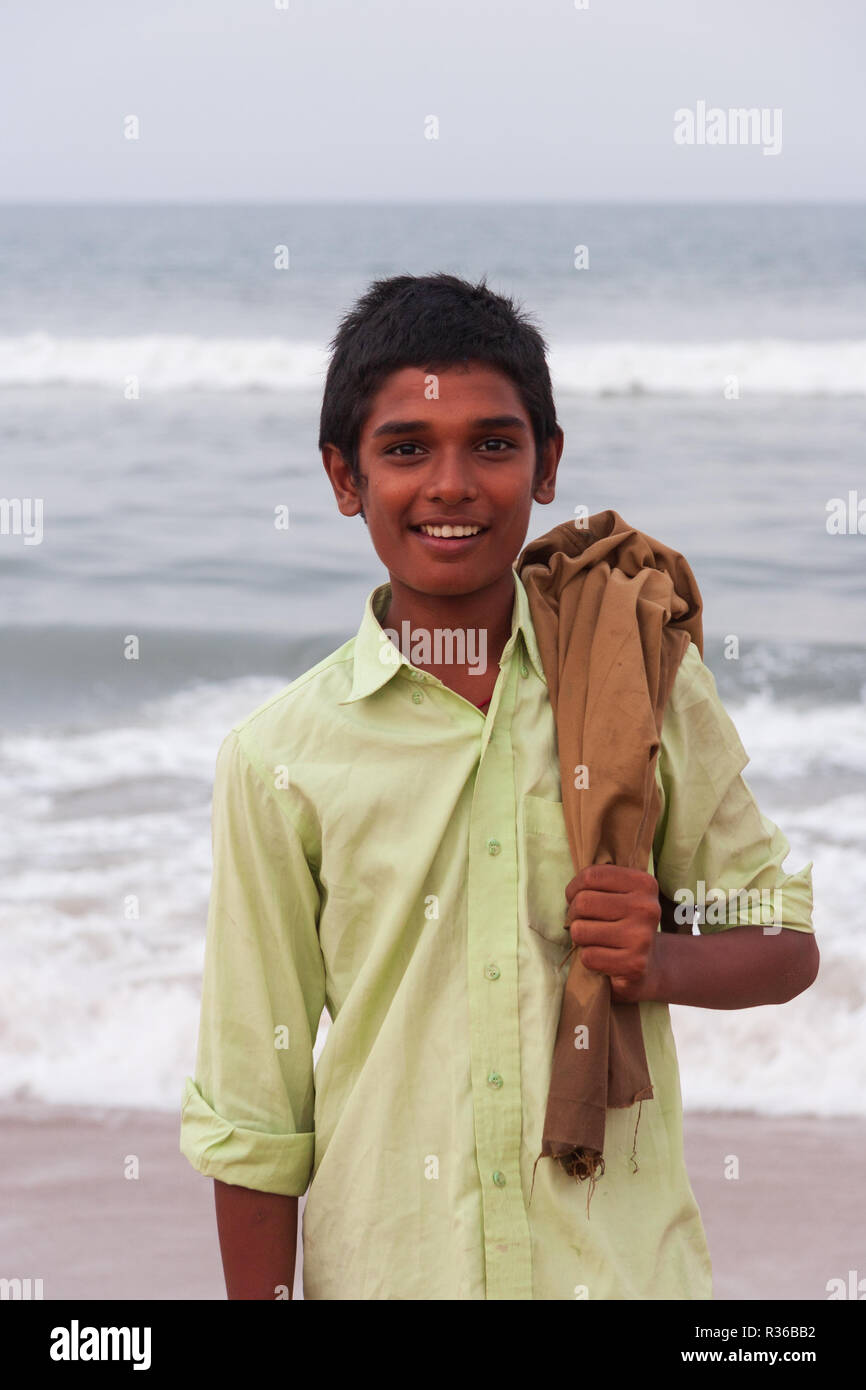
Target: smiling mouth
{"type": "Point", "coordinates": [446, 532]}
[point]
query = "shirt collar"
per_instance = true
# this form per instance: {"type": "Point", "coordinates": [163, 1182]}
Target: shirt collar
{"type": "Point", "coordinates": [371, 669]}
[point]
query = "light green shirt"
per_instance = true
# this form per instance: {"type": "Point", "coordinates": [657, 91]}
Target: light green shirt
{"type": "Point", "coordinates": [384, 850]}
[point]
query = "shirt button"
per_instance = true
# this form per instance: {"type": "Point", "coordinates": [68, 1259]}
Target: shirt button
{"type": "Point", "coordinates": [494, 1079]}
{"type": "Point", "coordinates": [493, 847]}
{"type": "Point", "coordinates": [499, 1178]}
{"type": "Point", "coordinates": [492, 972]}
{"type": "Point", "coordinates": [417, 675]}
{"type": "Point", "coordinates": [524, 670]}
{"type": "Point", "coordinates": [417, 696]}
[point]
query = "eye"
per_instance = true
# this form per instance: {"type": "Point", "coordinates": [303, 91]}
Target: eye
{"type": "Point", "coordinates": [407, 444]}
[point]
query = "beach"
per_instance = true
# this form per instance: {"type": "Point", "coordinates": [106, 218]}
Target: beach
{"type": "Point", "coordinates": [792, 1220]}
{"type": "Point", "coordinates": [709, 373]}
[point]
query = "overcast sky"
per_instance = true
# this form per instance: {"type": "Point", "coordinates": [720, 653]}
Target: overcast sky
{"type": "Point", "coordinates": [535, 99]}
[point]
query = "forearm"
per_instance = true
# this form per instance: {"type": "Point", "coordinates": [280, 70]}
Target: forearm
{"type": "Point", "coordinates": [734, 969]}
{"type": "Point", "coordinates": [258, 1234]}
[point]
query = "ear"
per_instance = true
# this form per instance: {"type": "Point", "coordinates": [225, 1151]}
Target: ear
{"type": "Point", "coordinates": [551, 452]}
{"type": "Point", "coordinates": [341, 480]}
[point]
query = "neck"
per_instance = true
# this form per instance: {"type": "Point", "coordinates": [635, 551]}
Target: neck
{"type": "Point", "coordinates": [485, 610]}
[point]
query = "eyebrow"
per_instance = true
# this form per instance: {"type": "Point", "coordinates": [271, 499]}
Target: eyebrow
{"type": "Point", "coordinates": [487, 422]}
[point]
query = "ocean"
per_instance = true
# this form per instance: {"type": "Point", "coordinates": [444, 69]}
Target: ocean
{"type": "Point", "coordinates": [709, 367]}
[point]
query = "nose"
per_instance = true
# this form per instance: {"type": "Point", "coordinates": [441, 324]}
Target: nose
{"type": "Point", "coordinates": [452, 478]}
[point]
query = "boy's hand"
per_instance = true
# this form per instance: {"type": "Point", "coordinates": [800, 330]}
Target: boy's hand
{"type": "Point", "coordinates": [613, 915]}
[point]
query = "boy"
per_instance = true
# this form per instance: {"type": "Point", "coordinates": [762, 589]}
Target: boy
{"type": "Point", "coordinates": [389, 843]}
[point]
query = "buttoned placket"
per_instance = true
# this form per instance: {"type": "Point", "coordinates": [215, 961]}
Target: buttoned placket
{"type": "Point", "coordinates": [491, 947]}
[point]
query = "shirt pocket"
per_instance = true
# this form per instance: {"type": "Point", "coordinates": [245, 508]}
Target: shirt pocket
{"type": "Point", "coordinates": [548, 868]}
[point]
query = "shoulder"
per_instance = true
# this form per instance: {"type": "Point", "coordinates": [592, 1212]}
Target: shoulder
{"type": "Point", "coordinates": [696, 727]}
{"type": "Point", "coordinates": [693, 682]}
{"type": "Point", "coordinates": [295, 721]}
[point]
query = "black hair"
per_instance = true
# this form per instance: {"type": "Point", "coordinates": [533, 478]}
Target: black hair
{"type": "Point", "coordinates": [430, 321]}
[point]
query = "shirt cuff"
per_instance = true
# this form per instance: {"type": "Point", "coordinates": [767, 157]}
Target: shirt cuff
{"type": "Point", "coordinates": [786, 904]}
{"type": "Point", "coordinates": [243, 1157]}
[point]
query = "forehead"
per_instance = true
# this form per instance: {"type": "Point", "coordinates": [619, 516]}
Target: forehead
{"type": "Point", "coordinates": [429, 393]}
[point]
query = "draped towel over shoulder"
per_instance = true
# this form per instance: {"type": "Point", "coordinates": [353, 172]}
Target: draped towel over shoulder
{"type": "Point", "coordinates": [614, 611]}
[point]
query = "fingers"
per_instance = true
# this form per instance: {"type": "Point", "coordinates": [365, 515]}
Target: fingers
{"type": "Point", "coordinates": [611, 878]}
{"type": "Point", "coordinates": [608, 962]}
{"type": "Point", "coordinates": [603, 907]}
{"type": "Point", "coordinates": [625, 970]}
{"type": "Point", "coordinates": [613, 948]}
{"type": "Point", "coordinates": [629, 909]}
{"type": "Point", "coordinates": [588, 932]}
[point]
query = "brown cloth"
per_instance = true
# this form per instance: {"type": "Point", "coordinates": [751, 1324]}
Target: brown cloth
{"type": "Point", "coordinates": [614, 611]}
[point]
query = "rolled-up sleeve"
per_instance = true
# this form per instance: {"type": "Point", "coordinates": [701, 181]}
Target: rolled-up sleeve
{"type": "Point", "coordinates": [711, 831]}
{"type": "Point", "coordinates": [248, 1114]}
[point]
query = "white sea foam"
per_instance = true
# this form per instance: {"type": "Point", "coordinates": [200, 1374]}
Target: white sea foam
{"type": "Point", "coordinates": [786, 741]}
{"type": "Point", "coordinates": [99, 1009]}
{"type": "Point", "coordinates": [178, 362]}
{"type": "Point", "coordinates": [751, 367]}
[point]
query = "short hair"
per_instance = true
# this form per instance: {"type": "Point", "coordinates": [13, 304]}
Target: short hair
{"type": "Point", "coordinates": [430, 321]}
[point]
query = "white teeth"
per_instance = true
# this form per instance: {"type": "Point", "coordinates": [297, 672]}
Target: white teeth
{"type": "Point", "coordinates": [454, 531]}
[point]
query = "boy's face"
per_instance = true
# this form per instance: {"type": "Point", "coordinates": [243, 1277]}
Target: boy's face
{"type": "Point", "coordinates": [466, 457]}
